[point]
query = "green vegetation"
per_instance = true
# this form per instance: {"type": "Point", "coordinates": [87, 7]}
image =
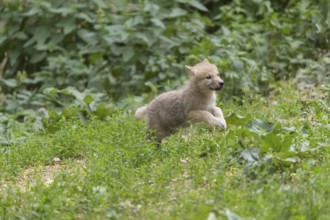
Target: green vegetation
{"type": "Point", "coordinates": [272, 163]}
{"type": "Point", "coordinates": [73, 72]}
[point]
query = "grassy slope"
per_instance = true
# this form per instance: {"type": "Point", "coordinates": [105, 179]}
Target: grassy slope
{"type": "Point", "coordinates": [108, 170]}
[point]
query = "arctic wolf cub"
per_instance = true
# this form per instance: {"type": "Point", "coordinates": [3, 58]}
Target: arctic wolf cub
{"type": "Point", "coordinates": [195, 102]}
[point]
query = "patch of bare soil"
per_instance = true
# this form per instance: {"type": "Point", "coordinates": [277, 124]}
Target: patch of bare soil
{"type": "Point", "coordinates": [33, 175]}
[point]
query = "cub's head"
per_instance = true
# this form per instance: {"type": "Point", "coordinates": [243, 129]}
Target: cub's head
{"type": "Point", "coordinates": [205, 76]}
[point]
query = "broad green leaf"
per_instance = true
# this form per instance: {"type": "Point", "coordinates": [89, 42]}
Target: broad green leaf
{"type": "Point", "coordinates": [13, 55]}
{"type": "Point", "coordinates": [232, 75]}
{"type": "Point", "coordinates": [41, 34]}
{"type": "Point", "coordinates": [88, 36]}
{"type": "Point", "coordinates": [68, 25]}
{"type": "Point", "coordinates": [195, 4]}
{"type": "Point", "coordinates": [2, 39]}
{"type": "Point", "coordinates": [176, 12]}
{"type": "Point", "coordinates": [236, 119]}
{"type": "Point", "coordinates": [19, 35]}
{"type": "Point", "coordinates": [62, 10]}
{"type": "Point", "coordinates": [238, 64]}
{"type": "Point", "coordinates": [12, 105]}
{"type": "Point", "coordinates": [272, 141]}
{"type": "Point", "coordinates": [50, 91]}
{"type": "Point", "coordinates": [128, 53]}
{"type": "Point", "coordinates": [56, 39]}
{"type": "Point", "coordinates": [134, 21]}
{"type": "Point", "coordinates": [31, 12]}
{"type": "Point", "coordinates": [250, 154]}
{"type": "Point", "coordinates": [158, 23]}
{"type": "Point", "coordinates": [73, 91]}
{"type": "Point", "coordinates": [80, 96]}
{"type": "Point", "coordinates": [143, 37]}
{"type": "Point", "coordinates": [108, 39]}
{"type": "Point", "coordinates": [85, 17]}
{"type": "Point", "coordinates": [100, 3]}
{"type": "Point", "coordinates": [29, 42]}
{"type": "Point", "coordinates": [260, 126]}
{"type": "Point", "coordinates": [286, 143]}
{"type": "Point", "coordinates": [37, 57]}
{"type": "Point", "coordinates": [169, 42]}
{"type": "Point", "coordinates": [12, 83]}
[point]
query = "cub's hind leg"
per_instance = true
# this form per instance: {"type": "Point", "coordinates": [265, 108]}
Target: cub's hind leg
{"type": "Point", "coordinates": [157, 132]}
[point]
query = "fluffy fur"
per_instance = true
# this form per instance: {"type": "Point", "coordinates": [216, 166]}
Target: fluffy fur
{"type": "Point", "coordinates": [195, 102]}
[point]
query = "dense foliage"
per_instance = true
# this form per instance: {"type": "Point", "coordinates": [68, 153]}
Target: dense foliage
{"type": "Point", "coordinates": [115, 47]}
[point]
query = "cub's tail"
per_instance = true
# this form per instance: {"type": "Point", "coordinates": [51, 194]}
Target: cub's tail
{"type": "Point", "coordinates": [141, 113]}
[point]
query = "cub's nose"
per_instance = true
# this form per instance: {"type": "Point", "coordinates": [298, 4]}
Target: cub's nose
{"type": "Point", "coordinates": [221, 84]}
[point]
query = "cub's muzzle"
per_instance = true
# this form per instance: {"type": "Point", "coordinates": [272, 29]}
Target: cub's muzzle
{"type": "Point", "coordinates": [218, 86]}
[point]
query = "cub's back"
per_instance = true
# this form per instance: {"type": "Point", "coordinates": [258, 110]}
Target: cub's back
{"type": "Point", "coordinates": [168, 109]}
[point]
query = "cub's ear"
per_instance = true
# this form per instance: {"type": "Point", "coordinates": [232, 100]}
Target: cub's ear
{"type": "Point", "coordinates": [206, 61]}
{"type": "Point", "coordinates": [190, 70]}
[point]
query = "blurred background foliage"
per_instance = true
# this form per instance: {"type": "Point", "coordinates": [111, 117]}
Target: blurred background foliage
{"type": "Point", "coordinates": [91, 55]}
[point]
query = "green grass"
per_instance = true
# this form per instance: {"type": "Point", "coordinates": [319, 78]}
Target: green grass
{"type": "Point", "coordinates": [272, 163]}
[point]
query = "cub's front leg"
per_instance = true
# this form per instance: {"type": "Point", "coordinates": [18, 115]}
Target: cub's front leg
{"type": "Point", "coordinates": [217, 112]}
{"type": "Point", "coordinates": [205, 116]}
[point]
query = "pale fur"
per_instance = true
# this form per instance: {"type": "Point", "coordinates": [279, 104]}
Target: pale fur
{"type": "Point", "coordinates": [195, 102]}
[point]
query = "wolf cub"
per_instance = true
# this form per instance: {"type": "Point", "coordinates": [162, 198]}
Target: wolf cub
{"type": "Point", "coordinates": [195, 102]}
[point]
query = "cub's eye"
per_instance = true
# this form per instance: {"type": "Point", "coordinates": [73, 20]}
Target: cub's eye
{"type": "Point", "coordinates": [208, 77]}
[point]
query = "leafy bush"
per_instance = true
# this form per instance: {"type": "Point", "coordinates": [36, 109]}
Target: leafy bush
{"type": "Point", "coordinates": [97, 44]}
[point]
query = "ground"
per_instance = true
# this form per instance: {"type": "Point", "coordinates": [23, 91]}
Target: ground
{"type": "Point", "coordinates": [271, 163]}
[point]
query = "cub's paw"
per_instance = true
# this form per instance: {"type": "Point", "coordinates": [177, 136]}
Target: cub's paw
{"type": "Point", "coordinates": [221, 123]}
